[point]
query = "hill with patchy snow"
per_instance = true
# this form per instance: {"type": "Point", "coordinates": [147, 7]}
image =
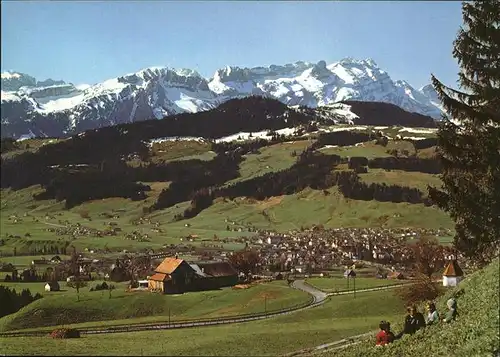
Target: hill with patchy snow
{"type": "Point", "coordinates": [56, 108]}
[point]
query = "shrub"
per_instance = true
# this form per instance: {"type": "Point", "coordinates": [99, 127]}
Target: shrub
{"type": "Point", "coordinates": [84, 214]}
{"type": "Point", "coordinates": [99, 287]}
{"type": "Point", "coordinates": [423, 290]}
{"type": "Point", "coordinates": [65, 333]}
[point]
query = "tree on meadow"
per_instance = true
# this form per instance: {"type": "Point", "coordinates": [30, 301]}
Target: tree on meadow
{"type": "Point", "coordinates": [429, 256]}
{"type": "Point", "coordinates": [247, 261]}
{"type": "Point", "coordinates": [76, 282]}
{"type": "Point", "coordinates": [469, 137]}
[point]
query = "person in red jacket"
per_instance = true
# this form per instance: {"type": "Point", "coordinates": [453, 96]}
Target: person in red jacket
{"type": "Point", "coordinates": [385, 335]}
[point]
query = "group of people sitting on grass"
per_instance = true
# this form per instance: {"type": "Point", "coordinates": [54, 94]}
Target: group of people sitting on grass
{"type": "Point", "coordinates": [414, 321]}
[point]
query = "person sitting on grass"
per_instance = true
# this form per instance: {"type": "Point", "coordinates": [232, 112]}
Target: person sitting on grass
{"type": "Point", "coordinates": [390, 335]}
{"type": "Point", "coordinates": [385, 335]}
{"type": "Point", "coordinates": [452, 313]}
{"type": "Point", "coordinates": [414, 320]}
{"type": "Point", "coordinates": [433, 315]}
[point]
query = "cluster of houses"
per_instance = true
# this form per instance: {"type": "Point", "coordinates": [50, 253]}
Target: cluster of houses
{"type": "Point", "coordinates": [306, 251]}
{"type": "Point", "coordinates": [316, 249]}
{"type": "Point", "coordinates": [176, 276]}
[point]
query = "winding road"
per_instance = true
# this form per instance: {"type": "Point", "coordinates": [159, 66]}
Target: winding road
{"type": "Point", "coordinates": [318, 297]}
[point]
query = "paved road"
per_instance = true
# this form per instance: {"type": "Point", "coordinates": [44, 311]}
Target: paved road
{"type": "Point", "coordinates": [318, 295]}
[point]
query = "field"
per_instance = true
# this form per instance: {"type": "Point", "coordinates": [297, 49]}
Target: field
{"type": "Point", "coordinates": [369, 149]}
{"type": "Point", "coordinates": [271, 158]}
{"type": "Point", "coordinates": [281, 213]}
{"type": "Point", "coordinates": [27, 225]}
{"type": "Point", "coordinates": [338, 284]}
{"type": "Point", "coordinates": [98, 309]}
{"type": "Point", "coordinates": [340, 317]}
{"type": "Point", "coordinates": [402, 178]}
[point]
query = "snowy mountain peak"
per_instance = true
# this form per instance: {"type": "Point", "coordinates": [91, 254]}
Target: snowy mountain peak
{"type": "Point", "coordinates": [429, 92]}
{"type": "Point", "coordinates": [349, 61]}
{"type": "Point", "coordinates": [156, 92]}
{"type": "Point", "coordinates": [13, 81]}
{"type": "Point", "coordinates": [10, 75]}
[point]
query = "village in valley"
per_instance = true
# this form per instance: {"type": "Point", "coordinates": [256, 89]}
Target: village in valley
{"type": "Point", "coordinates": [222, 205]}
{"type": "Point", "coordinates": [296, 254]}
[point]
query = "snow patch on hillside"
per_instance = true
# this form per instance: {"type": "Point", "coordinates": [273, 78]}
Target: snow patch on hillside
{"type": "Point", "coordinates": [413, 138]}
{"type": "Point", "coordinates": [343, 110]}
{"type": "Point", "coordinates": [246, 136]}
{"type": "Point", "coordinates": [56, 104]}
{"type": "Point", "coordinates": [328, 147]}
{"type": "Point", "coordinates": [344, 128]}
{"type": "Point", "coordinates": [175, 138]}
{"type": "Point", "coordinates": [9, 97]}
{"type": "Point", "coordinates": [418, 130]}
{"type": "Point", "coordinates": [243, 136]}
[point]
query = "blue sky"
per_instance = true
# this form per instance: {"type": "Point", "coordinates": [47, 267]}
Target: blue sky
{"type": "Point", "coordinates": [88, 42]}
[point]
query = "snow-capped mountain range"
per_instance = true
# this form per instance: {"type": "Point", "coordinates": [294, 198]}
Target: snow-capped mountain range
{"type": "Point", "coordinates": [57, 108]}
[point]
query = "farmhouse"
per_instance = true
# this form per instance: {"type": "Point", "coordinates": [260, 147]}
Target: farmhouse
{"type": "Point", "coordinates": [216, 275]}
{"type": "Point", "coordinates": [176, 276]}
{"type": "Point", "coordinates": [56, 259]}
{"type": "Point", "coordinates": [41, 261]}
{"type": "Point", "coordinates": [452, 274]}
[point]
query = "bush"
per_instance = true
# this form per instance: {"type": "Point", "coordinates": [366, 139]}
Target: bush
{"type": "Point", "coordinates": [65, 333]}
{"type": "Point", "coordinates": [423, 290]}
{"type": "Point", "coordinates": [84, 214]}
{"type": "Point", "coordinates": [100, 287]}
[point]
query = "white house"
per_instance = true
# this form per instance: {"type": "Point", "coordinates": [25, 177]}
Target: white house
{"type": "Point", "coordinates": [52, 286]}
{"type": "Point", "coordinates": [453, 274]}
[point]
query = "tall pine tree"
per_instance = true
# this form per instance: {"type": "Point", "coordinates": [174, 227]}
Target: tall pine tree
{"type": "Point", "coordinates": [469, 138]}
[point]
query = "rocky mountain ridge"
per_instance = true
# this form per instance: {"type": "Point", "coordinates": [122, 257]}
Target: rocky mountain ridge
{"type": "Point", "coordinates": [56, 108]}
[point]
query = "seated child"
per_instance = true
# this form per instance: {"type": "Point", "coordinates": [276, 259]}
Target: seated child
{"type": "Point", "coordinates": [452, 310]}
{"type": "Point", "coordinates": [433, 315]}
{"type": "Point", "coordinates": [385, 335]}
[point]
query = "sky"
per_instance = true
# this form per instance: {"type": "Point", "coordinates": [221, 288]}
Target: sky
{"type": "Point", "coordinates": [91, 41]}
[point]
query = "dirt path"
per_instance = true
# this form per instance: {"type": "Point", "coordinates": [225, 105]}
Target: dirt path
{"type": "Point", "coordinates": [53, 224]}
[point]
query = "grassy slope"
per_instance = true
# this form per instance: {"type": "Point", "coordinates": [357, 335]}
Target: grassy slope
{"type": "Point", "coordinates": [340, 317]}
{"type": "Point", "coordinates": [96, 308]}
{"type": "Point", "coordinates": [369, 149]}
{"type": "Point", "coordinates": [271, 158]}
{"type": "Point", "coordinates": [474, 333]}
{"type": "Point", "coordinates": [402, 178]}
{"type": "Point", "coordinates": [282, 213]}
